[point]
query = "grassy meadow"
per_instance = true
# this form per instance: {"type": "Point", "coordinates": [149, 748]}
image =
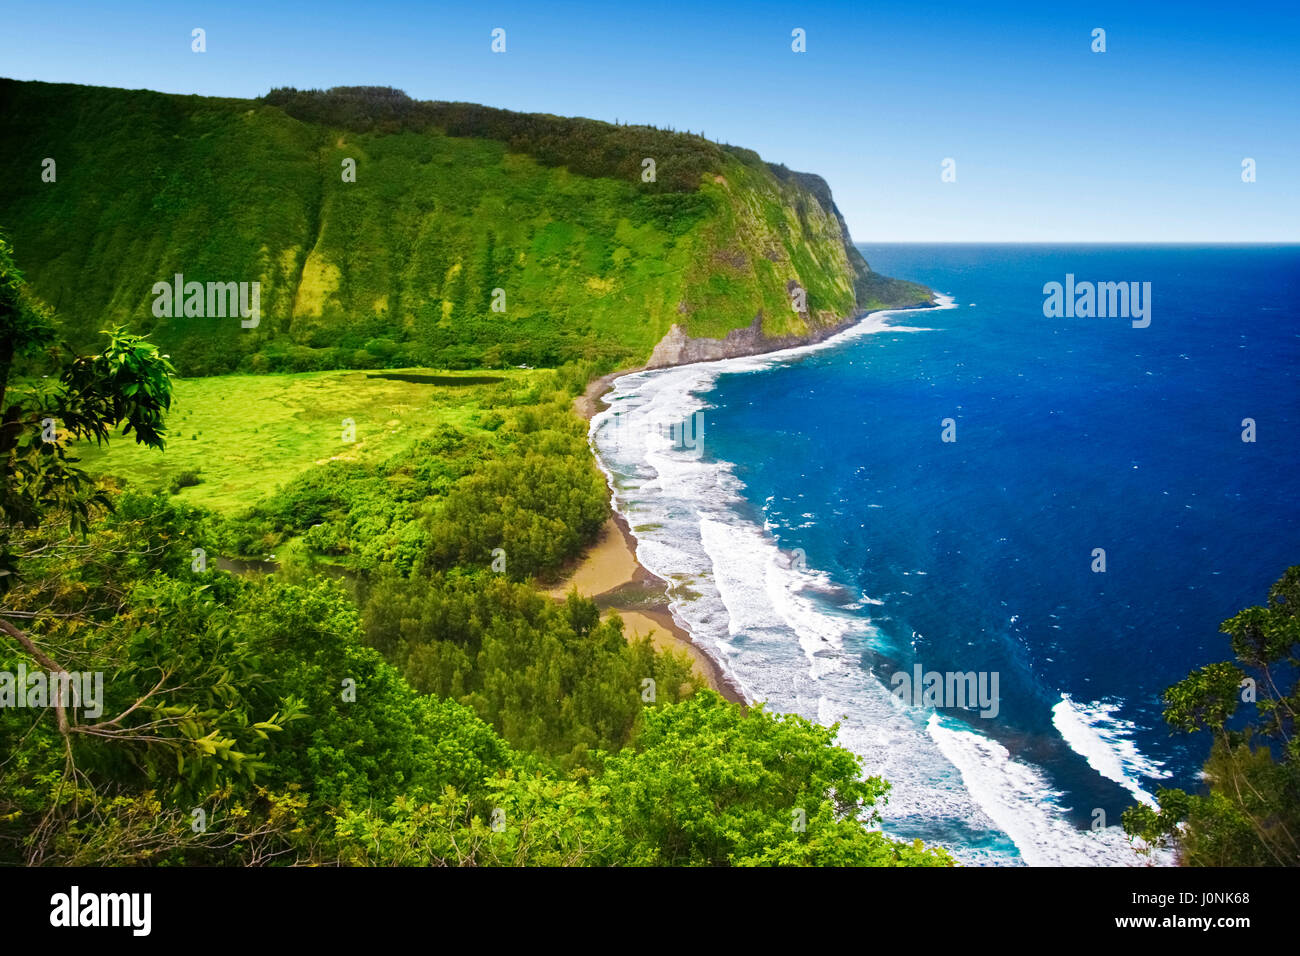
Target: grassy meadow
{"type": "Point", "coordinates": [245, 436]}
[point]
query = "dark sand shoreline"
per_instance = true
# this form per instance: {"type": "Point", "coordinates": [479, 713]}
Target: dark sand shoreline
{"type": "Point", "coordinates": [643, 593]}
{"type": "Point", "coordinates": [648, 591]}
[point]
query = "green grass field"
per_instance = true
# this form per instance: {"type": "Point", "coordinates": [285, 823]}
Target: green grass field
{"type": "Point", "coordinates": [245, 435]}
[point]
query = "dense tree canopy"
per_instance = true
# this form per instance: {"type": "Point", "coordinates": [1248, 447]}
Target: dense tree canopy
{"type": "Point", "coordinates": [432, 707]}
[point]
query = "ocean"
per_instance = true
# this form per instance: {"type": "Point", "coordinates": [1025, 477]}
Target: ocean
{"type": "Point", "coordinates": [1073, 546]}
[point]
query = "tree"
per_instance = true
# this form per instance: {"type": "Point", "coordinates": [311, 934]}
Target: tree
{"type": "Point", "coordinates": [127, 385]}
{"type": "Point", "coordinates": [1250, 814]}
{"type": "Point", "coordinates": [708, 783]}
{"type": "Point", "coordinates": [247, 699]}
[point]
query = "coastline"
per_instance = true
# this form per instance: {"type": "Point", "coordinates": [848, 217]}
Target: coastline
{"type": "Point", "coordinates": [609, 572]}
{"type": "Point", "coordinates": [610, 575]}
{"type": "Point", "coordinates": [962, 788]}
{"type": "Point", "coordinates": [592, 400]}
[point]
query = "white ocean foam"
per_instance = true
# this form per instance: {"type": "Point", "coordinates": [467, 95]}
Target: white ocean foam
{"type": "Point", "coordinates": [1105, 741]}
{"type": "Point", "coordinates": [756, 614]}
{"type": "Point", "coordinates": [1026, 808]}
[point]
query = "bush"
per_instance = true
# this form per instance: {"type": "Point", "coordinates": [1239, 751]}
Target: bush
{"type": "Point", "coordinates": [185, 479]}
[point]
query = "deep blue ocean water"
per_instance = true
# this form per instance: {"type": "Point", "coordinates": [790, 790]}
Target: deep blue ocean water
{"type": "Point", "coordinates": [1072, 434]}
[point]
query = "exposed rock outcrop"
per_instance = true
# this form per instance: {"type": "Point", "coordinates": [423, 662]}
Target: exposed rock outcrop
{"type": "Point", "coordinates": [678, 348]}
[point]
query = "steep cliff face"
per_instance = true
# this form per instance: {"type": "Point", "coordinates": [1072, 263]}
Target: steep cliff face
{"type": "Point", "coordinates": [679, 348]}
{"type": "Point", "coordinates": [383, 231]}
{"type": "Point", "coordinates": [809, 241]}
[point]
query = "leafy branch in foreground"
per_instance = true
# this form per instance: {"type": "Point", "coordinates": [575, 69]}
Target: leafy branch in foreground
{"type": "Point", "coordinates": [128, 385]}
{"type": "Point", "coordinates": [1250, 815]}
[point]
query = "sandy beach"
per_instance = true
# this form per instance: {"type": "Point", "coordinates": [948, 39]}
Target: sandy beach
{"type": "Point", "coordinates": [610, 574]}
{"type": "Point", "coordinates": [592, 400]}
{"type": "Point", "coordinates": [606, 565]}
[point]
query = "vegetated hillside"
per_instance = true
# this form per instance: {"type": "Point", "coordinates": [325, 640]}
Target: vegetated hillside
{"type": "Point", "coordinates": [451, 201]}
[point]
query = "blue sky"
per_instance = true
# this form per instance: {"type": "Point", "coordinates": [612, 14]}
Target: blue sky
{"type": "Point", "coordinates": [1052, 142]}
